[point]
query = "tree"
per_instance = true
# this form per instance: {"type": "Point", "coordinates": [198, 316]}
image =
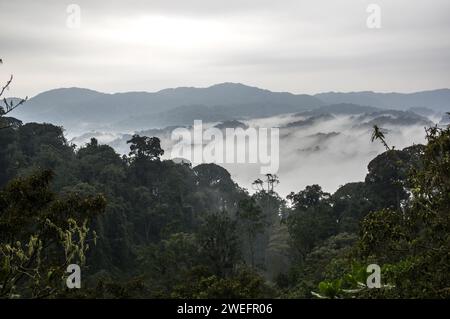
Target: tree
{"type": "Point", "coordinates": [143, 147]}
{"type": "Point", "coordinates": [378, 134]}
{"type": "Point", "coordinates": [100, 163]}
{"type": "Point", "coordinates": [311, 221]}
{"type": "Point", "coordinates": [214, 176]}
{"type": "Point", "coordinates": [166, 264]}
{"type": "Point", "coordinates": [309, 197]}
{"type": "Point", "coordinates": [251, 221]}
{"type": "Point", "coordinates": [40, 234]}
{"type": "Point", "coordinates": [351, 203]}
{"type": "Point", "coordinates": [411, 243]}
{"type": "Point", "coordinates": [8, 105]}
{"type": "Point", "coordinates": [388, 176]}
{"type": "Point", "coordinates": [324, 259]}
{"type": "Point", "coordinates": [218, 187]}
{"type": "Point", "coordinates": [272, 181]}
{"type": "Point", "coordinates": [219, 243]}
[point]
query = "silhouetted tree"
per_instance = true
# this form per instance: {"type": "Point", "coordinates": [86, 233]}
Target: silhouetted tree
{"type": "Point", "coordinates": [378, 134]}
{"type": "Point", "coordinates": [8, 106]}
{"type": "Point", "coordinates": [143, 147]}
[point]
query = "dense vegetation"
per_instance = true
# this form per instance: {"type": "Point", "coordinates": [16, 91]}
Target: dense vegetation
{"type": "Point", "coordinates": [142, 227]}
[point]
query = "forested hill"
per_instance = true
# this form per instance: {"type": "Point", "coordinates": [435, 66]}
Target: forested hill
{"type": "Point", "coordinates": [143, 227]}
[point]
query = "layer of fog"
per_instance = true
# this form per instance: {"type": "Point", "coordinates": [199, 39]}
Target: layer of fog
{"type": "Point", "coordinates": [331, 152]}
{"type": "Point", "coordinates": [328, 159]}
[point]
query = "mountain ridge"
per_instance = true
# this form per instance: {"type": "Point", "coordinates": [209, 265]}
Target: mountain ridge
{"type": "Point", "coordinates": [75, 107]}
{"type": "Point", "coordinates": [71, 106]}
{"type": "Point", "coordinates": [438, 99]}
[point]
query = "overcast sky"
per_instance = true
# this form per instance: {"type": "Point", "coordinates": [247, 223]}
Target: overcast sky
{"type": "Point", "coordinates": [286, 45]}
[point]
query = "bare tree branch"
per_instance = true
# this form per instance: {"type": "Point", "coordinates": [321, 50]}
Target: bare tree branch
{"type": "Point", "coordinates": [9, 106]}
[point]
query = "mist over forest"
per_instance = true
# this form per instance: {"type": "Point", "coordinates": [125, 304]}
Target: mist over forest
{"type": "Point", "coordinates": [319, 143]}
{"type": "Point", "coordinates": [235, 153]}
{"type": "Point", "coordinates": [226, 223]}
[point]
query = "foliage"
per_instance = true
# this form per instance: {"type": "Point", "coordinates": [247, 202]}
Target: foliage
{"type": "Point", "coordinates": [143, 147]}
{"type": "Point", "coordinates": [40, 234]}
{"type": "Point", "coordinates": [251, 221]}
{"type": "Point", "coordinates": [172, 231]}
{"type": "Point", "coordinates": [411, 242]}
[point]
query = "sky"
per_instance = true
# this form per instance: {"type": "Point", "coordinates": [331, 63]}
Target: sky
{"type": "Point", "coordinates": [290, 45]}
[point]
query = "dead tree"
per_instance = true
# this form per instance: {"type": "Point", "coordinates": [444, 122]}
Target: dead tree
{"type": "Point", "coordinates": [7, 106]}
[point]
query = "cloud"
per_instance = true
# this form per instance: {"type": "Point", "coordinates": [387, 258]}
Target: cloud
{"type": "Point", "coordinates": [330, 161]}
{"type": "Point", "coordinates": [298, 46]}
{"type": "Point", "coordinates": [331, 152]}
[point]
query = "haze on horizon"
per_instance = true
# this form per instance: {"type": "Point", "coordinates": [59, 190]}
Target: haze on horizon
{"type": "Point", "coordinates": [295, 45]}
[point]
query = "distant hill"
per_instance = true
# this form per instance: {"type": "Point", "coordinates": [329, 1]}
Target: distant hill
{"type": "Point", "coordinates": [186, 114]}
{"type": "Point", "coordinates": [392, 118]}
{"type": "Point", "coordinates": [81, 110]}
{"type": "Point", "coordinates": [88, 109]}
{"type": "Point", "coordinates": [341, 109]}
{"type": "Point", "coordinates": [437, 100]}
{"type": "Point", "coordinates": [231, 124]}
{"type": "Point", "coordinates": [362, 117]}
{"type": "Point", "coordinates": [311, 120]}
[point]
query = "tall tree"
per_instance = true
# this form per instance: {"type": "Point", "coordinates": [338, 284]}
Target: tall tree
{"type": "Point", "coordinates": [251, 222]}
{"type": "Point", "coordinates": [143, 147]}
